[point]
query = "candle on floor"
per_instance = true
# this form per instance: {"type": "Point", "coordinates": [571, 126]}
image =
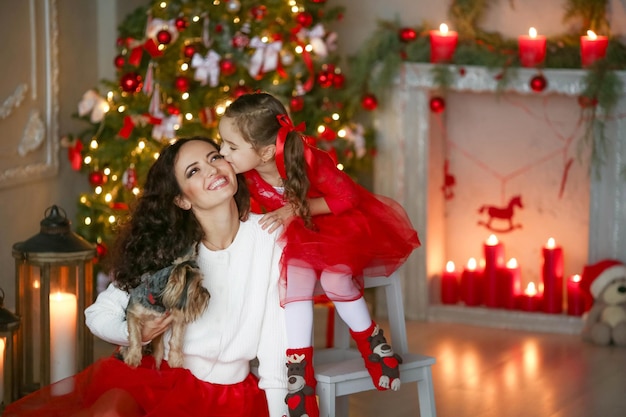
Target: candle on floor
{"type": "Point", "coordinates": [530, 300]}
{"type": "Point", "coordinates": [450, 285]}
{"type": "Point", "coordinates": [471, 284]}
{"type": "Point", "coordinates": [532, 48]}
{"type": "Point", "coordinates": [552, 277]}
{"type": "Point", "coordinates": [63, 310]}
{"type": "Point", "coordinates": [2, 347]}
{"type": "Point", "coordinates": [442, 44]}
{"type": "Point", "coordinates": [576, 297]}
{"type": "Point", "coordinates": [592, 48]}
{"type": "Point", "coordinates": [509, 284]}
{"type": "Point", "coordinates": [494, 259]}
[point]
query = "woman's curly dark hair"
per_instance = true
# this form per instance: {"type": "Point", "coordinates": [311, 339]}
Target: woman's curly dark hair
{"type": "Point", "coordinates": [158, 231]}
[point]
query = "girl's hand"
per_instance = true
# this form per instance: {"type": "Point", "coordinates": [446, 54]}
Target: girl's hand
{"type": "Point", "coordinates": [155, 326]}
{"type": "Point", "coordinates": [279, 217]}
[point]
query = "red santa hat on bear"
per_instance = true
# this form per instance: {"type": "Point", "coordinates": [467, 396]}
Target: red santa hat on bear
{"type": "Point", "coordinates": [597, 276]}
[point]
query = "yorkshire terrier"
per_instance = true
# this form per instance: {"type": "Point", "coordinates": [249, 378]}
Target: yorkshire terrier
{"type": "Point", "coordinates": [177, 289]}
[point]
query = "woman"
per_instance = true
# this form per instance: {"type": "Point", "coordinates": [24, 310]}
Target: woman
{"type": "Point", "coordinates": [188, 202]}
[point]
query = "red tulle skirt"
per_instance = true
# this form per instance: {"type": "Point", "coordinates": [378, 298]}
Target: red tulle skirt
{"type": "Point", "coordinates": [111, 385]}
{"type": "Point", "coordinates": [372, 240]}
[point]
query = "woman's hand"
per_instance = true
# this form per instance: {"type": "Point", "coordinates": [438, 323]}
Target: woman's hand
{"type": "Point", "coordinates": [279, 217]}
{"type": "Point", "coordinates": [153, 327]}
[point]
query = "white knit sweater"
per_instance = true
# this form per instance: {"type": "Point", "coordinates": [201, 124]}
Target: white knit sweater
{"type": "Point", "coordinates": [244, 319]}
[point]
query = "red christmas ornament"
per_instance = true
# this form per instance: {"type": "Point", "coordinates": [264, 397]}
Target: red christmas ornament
{"type": "Point", "coordinates": [586, 102]}
{"type": "Point", "coordinates": [182, 84]}
{"type": "Point", "coordinates": [119, 61]}
{"type": "Point", "coordinates": [74, 155]}
{"type": "Point", "coordinates": [240, 40]}
{"type": "Point", "coordinates": [164, 37]}
{"type": "Point", "coordinates": [101, 250]}
{"type": "Point", "coordinates": [407, 34]}
{"type": "Point", "coordinates": [437, 104]}
{"type": "Point", "coordinates": [318, 1]}
{"type": "Point", "coordinates": [173, 109]}
{"type": "Point", "coordinates": [304, 19]}
{"type": "Point", "coordinates": [240, 90]}
{"type": "Point", "coordinates": [228, 66]}
{"type": "Point", "coordinates": [339, 80]}
{"type": "Point", "coordinates": [369, 102]}
{"type": "Point", "coordinates": [97, 178]}
{"type": "Point", "coordinates": [189, 50]}
{"type": "Point", "coordinates": [181, 23]}
{"type": "Point", "coordinates": [131, 82]}
{"type": "Point", "coordinates": [296, 104]}
{"type": "Point", "coordinates": [258, 12]}
{"type": "Point", "coordinates": [538, 83]}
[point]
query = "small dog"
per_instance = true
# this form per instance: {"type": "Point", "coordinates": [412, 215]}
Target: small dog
{"type": "Point", "coordinates": [177, 289]}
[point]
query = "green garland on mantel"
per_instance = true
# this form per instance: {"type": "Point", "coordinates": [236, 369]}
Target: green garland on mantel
{"type": "Point", "coordinates": [375, 66]}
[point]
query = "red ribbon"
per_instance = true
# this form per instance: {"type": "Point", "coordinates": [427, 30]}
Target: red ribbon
{"type": "Point", "coordinates": [136, 53]}
{"type": "Point", "coordinates": [287, 127]}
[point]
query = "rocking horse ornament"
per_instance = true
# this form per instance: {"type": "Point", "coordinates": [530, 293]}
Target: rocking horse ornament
{"type": "Point", "coordinates": [503, 214]}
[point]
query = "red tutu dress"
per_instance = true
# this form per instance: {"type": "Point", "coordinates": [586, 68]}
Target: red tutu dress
{"type": "Point", "coordinates": [369, 233]}
{"type": "Point", "coordinates": [112, 387]}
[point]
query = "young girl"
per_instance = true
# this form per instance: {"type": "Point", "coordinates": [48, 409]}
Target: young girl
{"type": "Point", "coordinates": [336, 232]}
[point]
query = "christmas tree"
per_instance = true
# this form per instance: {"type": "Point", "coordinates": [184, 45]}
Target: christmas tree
{"type": "Point", "coordinates": [180, 63]}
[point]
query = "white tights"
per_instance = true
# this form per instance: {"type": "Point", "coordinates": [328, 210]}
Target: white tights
{"type": "Point", "coordinates": [299, 314]}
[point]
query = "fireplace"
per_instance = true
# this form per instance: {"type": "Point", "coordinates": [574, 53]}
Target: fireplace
{"type": "Point", "coordinates": [531, 150]}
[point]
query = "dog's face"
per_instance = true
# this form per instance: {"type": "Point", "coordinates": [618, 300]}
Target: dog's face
{"type": "Point", "coordinates": [184, 291]}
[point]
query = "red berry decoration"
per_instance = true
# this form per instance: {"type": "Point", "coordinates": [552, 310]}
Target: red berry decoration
{"type": "Point", "coordinates": [296, 104]}
{"type": "Point", "coordinates": [304, 19]}
{"type": "Point", "coordinates": [189, 50]}
{"type": "Point", "coordinates": [181, 23]}
{"type": "Point", "coordinates": [369, 102]}
{"type": "Point", "coordinates": [538, 83]}
{"type": "Point", "coordinates": [407, 35]}
{"type": "Point", "coordinates": [131, 82]}
{"type": "Point", "coordinates": [586, 102]}
{"type": "Point", "coordinates": [97, 178]}
{"type": "Point", "coordinates": [164, 37]}
{"type": "Point", "coordinates": [119, 61]}
{"type": "Point", "coordinates": [437, 104]}
{"type": "Point", "coordinates": [228, 67]}
{"type": "Point", "coordinates": [182, 84]}
{"type": "Point", "coordinates": [325, 78]}
{"type": "Point", "coordinates": [258, 12]}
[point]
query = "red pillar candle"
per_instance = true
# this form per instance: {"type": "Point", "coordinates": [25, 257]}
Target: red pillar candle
{"type": "Point", "coordinates": [576, 297]}
{"type": "Point", "coordinates": [592, 48]}
{"type": "Point", "coordinates": [442, 44]}
{"type": "Point", "coordinates": [471, 284]}
{"type": "Point", "coordinates": [532, 48]}
{"type": "Point", "coordinates": [450, 285]}
{"type": "Point", "coordinates": [552, 278]}
{"type": "Point", "coordinates": [509, 284]}
{"type": "Point", "coordinates": [494, 259]}
{"type": "Point", "coordinates": [530, 300]}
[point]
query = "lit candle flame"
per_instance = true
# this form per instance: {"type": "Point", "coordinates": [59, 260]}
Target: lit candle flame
{"type": "Point", "coordinates": [443, 28]}
{"type": "Point", "coordinates": [532, 32]}
{"type": "Point", "coordinates": [471, 264]}
{"type": "Point", "coordinates": [551, 244]}
{"type": "Point", "coordinates": [592, 35]}
{"type": "Point", "coordinates": [512, 263]}
{"type": "Point", "coordinates": [530, 289]}
{"type": "Point", "coordinates": [450, 266]}
{"type": "Point", "coordinates": [492, 240]}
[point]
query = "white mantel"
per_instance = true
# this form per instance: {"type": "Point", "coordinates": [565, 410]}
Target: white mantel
{"type": "Point", "coordinates": [404, 130]}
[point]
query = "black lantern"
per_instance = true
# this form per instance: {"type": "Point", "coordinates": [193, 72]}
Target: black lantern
{"type": "Point", "coordinates": [9, 324]}
{"type": "Point", "coordinates": [54, 284]}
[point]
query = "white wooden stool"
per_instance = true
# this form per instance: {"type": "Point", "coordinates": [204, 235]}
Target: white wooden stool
{"type": "Point", "coordinates": [340, 370]}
